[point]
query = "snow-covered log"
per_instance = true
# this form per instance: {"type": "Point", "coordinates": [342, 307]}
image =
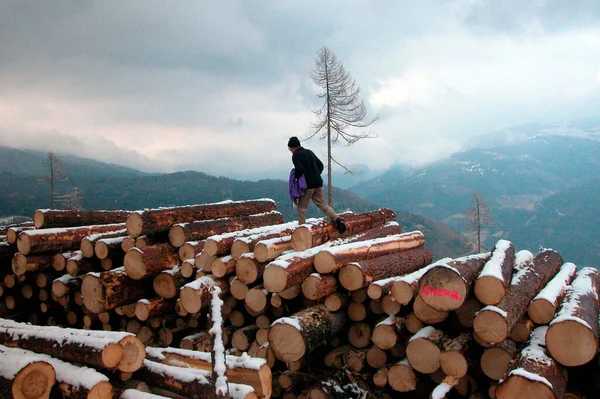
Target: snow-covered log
{"type": "Point", "coordinates": [168, 282]}
{"type": "Point", "coordinates": [317, 286]}
{"type": "Point", "coordinates": [245, 241]}
{"type": "Point", "coordinates": [196, 295]}
{"type": "Point", "coordinates": [24, 375]}
{"type": "Point", "coordinates": [107, 246]}
{"type": "Point", "coordinates": [424, 349]}
{"type": "Point", "coordinates": [88, 243]}
{"type": "Point", "coordinates": [48, 218]}
{"type": "Point", "coordinates": [542, 308]}
{"type": "Point", "coordinates": [405, 287]}
{"type": "Point", "coordinates": [267, 250]}
{"type": "Point", "coordinates": [150, 261]}
{"type": "Point", "coordinates": [492, 282]}
{"type": "Point", "coordinates": [573, 333]}
{"type": "Point", "coordinates": [190, 249]}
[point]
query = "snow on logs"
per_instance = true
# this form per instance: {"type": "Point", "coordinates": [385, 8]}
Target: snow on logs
{"type": "Point", "coordinates": [446, 285]}
{"type": "Point", "coordinates": [159, 220]}
{"type": "Point", "coordinates": [572, 337]}
{"type": "Point", "coordinates": [291, 338]}
{"type": "Point", "coordinates": [59, 239]}
{"type": "Point", "coordinates": [201, 229]}
{"type": "Point", "coordinates": [534, 374]}
{"type": "Point", "coordinates": [542, 308]}
{"type": "Point", "coordinates": [25, 375]}
{"type": "Point", "coordinates": [494, 278]}
{"type": "Point", "coordinates": [150, 261]}
{"type": "Point", "coordinates": [314, 234]}
{"type": "Point", "coordinates": [49, 218]}
{"type": "Point", "coordinates": [493, 324]}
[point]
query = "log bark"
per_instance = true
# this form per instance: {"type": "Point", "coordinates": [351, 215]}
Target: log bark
{"type": "Point", "coordinates": [59, 239]}
{"type": "Point", "coordinates": [25, 377]}
{"type": "Point", "coordinates": [446, 285]}
{"type": "Point", "coordinates": [311, 235]}
{"type": "Point", "coordinates": [542, 308]}
{"type": "Point", "coordinates": [495, 361]}
{"type": "Point", "coordinates": [493, 281]}
{"type": "Point", "coordinates": [202, 229]}
{"type": "Point", "coordinates": [292, 338]}
{"type": "Point", "coordinates": [22, 264]}
{"type": "Point", "coordinates": [318, 286]}
{"type": "Point", "coordinates": [151, 261]}
{"type": "Point", "coordinates": [248, 269]}
{"type": "Point", "coordinates": [425, 348]}
{"type": "Point", "coordinates": [12, 233]}
{"type": "Point", "coordinates": [168, 282]}
{"type": "Point", "coordinates": [268, 250]}
{"type": "Point", "coordinates": [48, 218]}
{"type": "Point", "coordinates": [534, 374]}
{"type": "Point", "coordinates": [111, 289]}
{"type": "Point", "coordinates": [160, 220]}
{"type": "Point", "coordinates": [195, 295]}
{"type": "Point", "coordinates": [494, 323]}
{"type": "Point", "coordinates": [389, 332]}
{"type": "Point", "coordinates": [361, 274]}
{"type": "Point", "coordinates": [190, 249]}
{"type": "Point", "coordinates": [573, 333]}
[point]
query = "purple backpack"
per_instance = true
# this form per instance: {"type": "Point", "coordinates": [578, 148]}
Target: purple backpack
{"type": "Point", "coordinates": [296, 186]}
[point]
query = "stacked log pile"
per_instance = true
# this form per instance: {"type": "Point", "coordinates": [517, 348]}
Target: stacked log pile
{"type": "Point", "coordinates": [229, 300]}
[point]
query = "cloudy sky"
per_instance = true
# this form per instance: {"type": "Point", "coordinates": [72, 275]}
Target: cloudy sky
{"type": "Point", "coordinates": [219, 86]}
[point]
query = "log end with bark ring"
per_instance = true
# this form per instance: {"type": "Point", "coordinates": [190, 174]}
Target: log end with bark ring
{"type": "Point", "coordinates": [238, 248]}
{"type": "Point", "coordinates": [134, 224]}
{"type": "Point", "coordinates": [190, 300]}
{"type": "Point", "coordinates": [442, 288]}
{"type": "Point", "coordinates": [101, 250]}
{"type": "Point", "coordinates": [494, 363]}
{"type": "Point", "coordinates": [351, 277]}
{"type": "Point", "coordinates": [256, 300]}
{"type": "Point", "coordinates": [310, 287]}
{"type": "Point", "coordinates": [86, 248]}
{"type": "Point", "coordinates": [164, 286]}
{"type": "Point", "coordinates": [38, 219]}
{"type": "Point", "coordinates": [127, 243]}
{"type": "Point", "coordinates": [177, 236]}
{"type": "Point", "coordinates": [275, 278]}
{"type": "Point", "coordinates": [134, 353]}
{"type": "Point", "coordinates": [93, 293]}
{"type": "Point", "coordinates": [186, 251]}
{"type": "Point", "coordinates": [210, 247]}
{"type": "Point", "coordinates": [334, 302]}
{"type": "Point", "coordinates": [402, 292]}
{"type": "Point", "coordinates": [359, 335]}
{"type": "Point", "coordinates": [402, 378]}
{"type": "Point", "coordinates": [302, 238]}
{"type": "Point", "coordinates": [261, 252]}
{"type": "Point", "coordinates": [112, 354]}
{"type": "Point", "coordinates": [134, 264]}
{"type": "Point", "coordinates": [423, 355]}
{"type": "Point", "coordinates": [141, 311]}
{"type": "Point", "coordinates": [34, 381]}
{"type": "Point", "coordinates": [24, 243]}
{"type": "Point", "coordinates": [19, 264]}
{"type": "Point", "coordinates": [540, 311]}
{"type": "Point", "coordinates": [385, 337]}
{"type": "Point", "coordinates": [325, 262]}
{"type": "Point", "coordinates": [491, 326]}
{"type": "Point", "coordinates": [59, 262]}
{"type": "Point", "coordinates": [375, 291]}
{"type": "Point", "coordinates": [489, 290]}
{"type": "Point", "coordinates": [454, 364]}
{"type": "Point", "coordinates": [571, 343]}
{"type": "Point", "coordinates": [516, 386]}
{"type": "Point", "coordinates": [246, 271]}
{"type": "Point", "coordinates": [287, 342]}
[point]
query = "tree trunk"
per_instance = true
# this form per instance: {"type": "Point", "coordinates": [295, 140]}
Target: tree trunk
{"type": "Point", "coordinates": [316, 286]}
{"type": "Point", "coordinates": [246, 244]}
{"type": "Point", "coordinates": [405, 287]}
{"type": "Point", "coordinates": [292, 338]}
{"type": "Point", "coordinates": [107, 246]}
{"type": "Point", "coordinates": [311, 235]}
{"type": "Point", "coordinates": [494, 323]}
{"type": "Point", "coordinates": [151, 261]}
{"type": "Point", "coordinates": [182, 381]}
{"type": "Point", "coordinates": [111, 289]}
{"type": "Point", "coordinates": [248, 269]}
{"type": "Point", "coordinates": [573, 333]}
{"type": "Point", "coordinates": [542, 308]}
{"type": "Point", "coordinates": [12, 234]}
{"type": "Point", "coordinates": [145, 309]}
{"type": "Point", "coordinates": [59, 239]}
{"type": "Point", "coordinates": [168, 282]}
{"type": "Point", "coordinates": [424, 349]}
{"type": "Point", "coordinates": [65, 285]}
{"type": "Point", "coordinates": [88, 242]}
{"type": "Point", "coordinates": [270, 249]}
{"type": "Point", "coordinates": [362, 273]}
{"type": "Point", "coordinates": [534, 374]}
{"type": "Point", "coordinates": [49, 218]}
{"type": "Point", "coordinates": [22, 264]}
{"type": "Point", "coordinates": [59, 261]}
{"type": "Point", "coordinates": [446, 285]}
{"type": "Point", "coordinates": [160, 220]}
{"type": "Point", "coordinates": [78, 265]}
{"type": "Point", "coordinates": [494, 278]}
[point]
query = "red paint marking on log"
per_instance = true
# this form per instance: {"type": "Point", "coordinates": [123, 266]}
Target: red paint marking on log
{"type": "Point", "coordinates": [432, 291]}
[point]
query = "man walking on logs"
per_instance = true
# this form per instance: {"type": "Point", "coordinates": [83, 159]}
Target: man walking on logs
{"type": "Point", "coordinates": [306, 163]}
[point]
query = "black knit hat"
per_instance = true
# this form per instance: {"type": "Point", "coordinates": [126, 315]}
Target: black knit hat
{"type": "Point", "coordinates": [293, 142]}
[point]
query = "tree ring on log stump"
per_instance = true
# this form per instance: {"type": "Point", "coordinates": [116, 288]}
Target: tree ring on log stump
{"type": "Point", "coordinates": [34, 381]}
{"type": "Point", "coordinates": [489, 290]}
{"type": "Point", "coordinates": [275, 278]}
{"type": "Point", "coordinates": [494, 363]}
{"type": "Point", "coordinates": [423, 355]}
{"type": "Point", "coordinates": [287, 342]}
{"type": "Point", "coordinates": [519, 387]}
{"type": "Point", "coordinates": [491, 326]}
{"type": "Point", "coordinates": [571, 343]}
{"type": "Point", "coordinates": [442, 288]}
{"type": "Point", "coordinates": [302, 239]}
{"type": "Point", "coordinates": [134, 224]}
{"type": "Point", "coordinates": [134, 354]}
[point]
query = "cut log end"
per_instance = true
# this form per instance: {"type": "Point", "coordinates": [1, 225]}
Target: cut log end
{"type": "Point", "coordinates": [385, 337]}
{"type": "Point", "coordinates": [428, 314]}
{"type": "Point", "coordinates": [164, 286]}
{"type": "Point", "coordinates": [261, 252]}
{"type": "Point", "coordinates": [102, 390]}
{"type": "Point", "coordinates": [310, 287]}
{"type": "Point", "coordinates": [190, 300]}
{"type": "Point", "coordinates": [134, 354]}
{"type": "Point", "coordinates": [519, 387]}
{"type": "Point", "coordinates": [93, 294]}
{"type": "Point", "coordinates": [38, 219]}
{"type": "Point", "coordinates": [246, 271]}
{"type": "Point", "coordinates": [402, 292]}
{"type": "Point", "coordinates": [454, 364]}
{"type": "Point", "coordinates": [134, 225]}
{"type": "Point", "coordinates": [134, 264]}
{"type": "Point", "coordinates": [351, 277]}
{"type": "Point", "coordinates": [177, 236]}
{"type": "Point", "coordinates": [571, 343]}
{"type": "Point", "coordinates": [287, 342]}
{"type": "Point", "coordinates": [238, 248]}
{"type": "Point", "coordinates": [375, 291]}
{"type": "Point", "coordinates": [275, 278]}
{"type": "Point", "coordinates": [423, 355]}
{"type": "Point", "coordinates": [302, 238]}
{"type": "Point", "coordinates": [24, 244]}
{"type": "Point", "coordinates": [402, 378]}
{"type": "Point", "coordinates": [490, 326]}
{"type": "Point", "coordinates": [325, 262]}
{"type": "Point", "coordinates": [101, 250]}
{"type": "Point", "coordinates": [442, 289]}
{"type": "Point", "coordinates": [112, 354]}
{"type": "Point", "coordinates": [34, 381]}
{"type": "Point", "coordinates": [141, 311]}
{"type": "Point", "coordinates": [87, 248]}
{"type": "Point", "coordinates": [59, 262]}
{"type": "Point", "coordinates": [494, 363]}
{"type": "Point", "coordinates": [256, 300]}
{"type": "Point", "coordinates": [210, 247]}
{"type": "Point", "coordinates": [540, 311]}
{"type": "Point", "coordinates": [19, 264]}
{"type": "Point", "coordinates": [489, 290]}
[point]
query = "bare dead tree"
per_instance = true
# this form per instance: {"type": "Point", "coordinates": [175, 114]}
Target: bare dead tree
{"type": "Point", "coordinates": [478, 217]}
{"type": "Point", "coordinates": [342, 111]}
{"type": "Point", "coordinates": [72, 200]}
{"type": "Point", "coordinates": [56, 173]}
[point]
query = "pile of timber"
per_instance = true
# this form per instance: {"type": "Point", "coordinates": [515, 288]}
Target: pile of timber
{"type": "Point", "coordinates": [230, 300]}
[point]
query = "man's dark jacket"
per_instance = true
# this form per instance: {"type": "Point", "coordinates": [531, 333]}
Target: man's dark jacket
{"type": "Point", "coordinates": [307, 164]}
